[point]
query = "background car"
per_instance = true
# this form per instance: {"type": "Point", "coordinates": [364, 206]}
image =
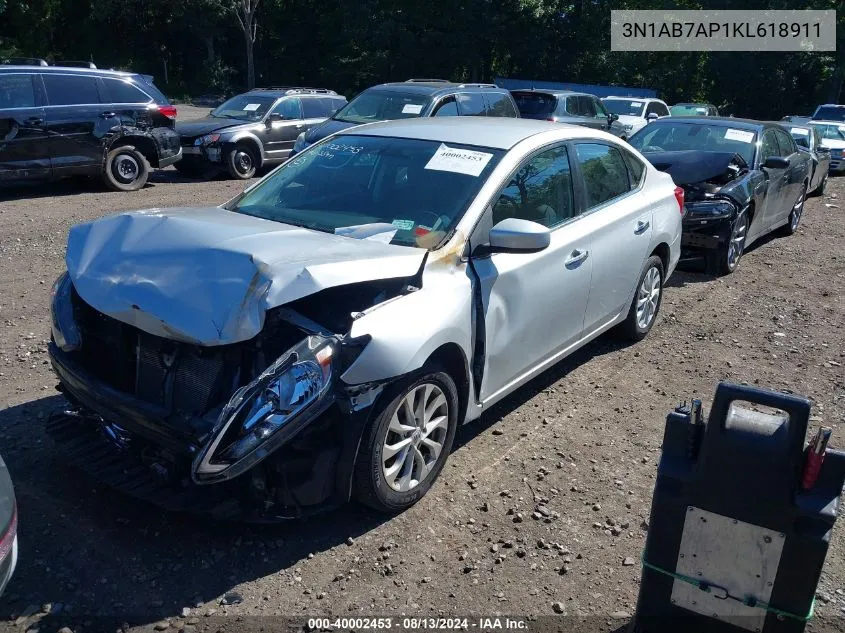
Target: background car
{"type": "Point", "coordinates": [252, 130]}
{"type": "Point", "coordinates": [562, 106]}
{"type": "Point", "coordinates": [808, 139]}
{"type": "Point", "coordinates": [366, 310]}
{"type": "Point", "coordinates": [830, 112]}
{"type": "Point", "coordinates": [694, 109]}
{"type": "Point", "coordinates": [634, 113]}
{"type": "Point", "coordinates": [62, 121]}
{"type": "Point", "coordinates": [413, 99]}
{"type": "Point", "coordinates": [833, 138]}
{"type": "Point", "coordinates": [8, 527]}
{"type": "Point", "coordinates": [796, 118]}
{"type": "Point", "coordinates": [742, 180]}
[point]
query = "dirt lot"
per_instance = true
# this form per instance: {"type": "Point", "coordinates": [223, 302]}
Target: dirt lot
{"type": "Point", "coordinates": [584, 438]}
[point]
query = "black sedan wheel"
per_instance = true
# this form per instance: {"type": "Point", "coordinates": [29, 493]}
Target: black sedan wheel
{"type": "Point", "coordinates": [126, 169]}
{"type": "Point", "coordinates": [796, 213]}
{"type": "Point", "coordinates": [241, 162]}
{"type": "Point", "coordinates": [726, 259]}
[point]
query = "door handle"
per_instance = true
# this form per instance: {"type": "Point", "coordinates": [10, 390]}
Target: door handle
{"type": "Point", "coordinates": [33, 120]}
{"type": "Point", "coordinates": [108, 115]}
{"type": "Point", "coordinates": [642, 227]}
{"type": "Point", "coordinates": [576, 257]}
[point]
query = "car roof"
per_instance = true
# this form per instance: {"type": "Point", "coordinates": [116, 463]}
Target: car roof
{"type": "Point", "coordinates": [692, 103]}
{"type": "Point", "coordinates": [622, 98]}
{"type": "Point", "coordinates": [435, 87]}
{"type": "Point", "coordinates": [742, 124]}
{"type": "Point", "coordinates": [556, 93]}
{"type": "Point", "coordinates": [494, 132]}
{"type": "Point", "coordinates": [825, 122]}
{"type": "Point", "coordinates": [65, 70]}
{"type": "Point", "coordinates": [285, 91]}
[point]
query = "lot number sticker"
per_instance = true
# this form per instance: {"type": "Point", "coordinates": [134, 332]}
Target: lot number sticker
{"type": "Point", "coordinates": [252, 107]}
{"type": "Point", "coordinates": [459, 161]}
{"type": "Point", "coordinates": [739, 135]}
{"type": "Point", "coordinates": [411, 108]}
{"type": "Point", "coordinates": [799, 131]}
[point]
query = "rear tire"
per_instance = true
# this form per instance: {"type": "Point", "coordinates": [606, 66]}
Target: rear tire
{"type": "Point", "coordinates": [820, 189]}
{"type": "Point", "coordinates": [414, 423]}
{"type": "Point", "coordinates": [796, 214]}
{"type": "Point", "coordinates": [646, 303]}
{"type": "Point", "coordinates": [125, 169]}
{"type": "Point", "coordinates": [241, 162]}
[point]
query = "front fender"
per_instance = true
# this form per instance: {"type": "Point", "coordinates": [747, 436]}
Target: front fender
{"type": "Point", "coordinates": [407, 330]}
{"type": "Point", "coordinates": [244, 135]}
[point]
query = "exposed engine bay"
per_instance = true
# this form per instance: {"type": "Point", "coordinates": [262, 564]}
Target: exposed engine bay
{"type": "Point", "coordinates": [702, 174]}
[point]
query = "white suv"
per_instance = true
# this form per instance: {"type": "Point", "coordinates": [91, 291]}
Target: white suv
{"type": "Point", "coordinates": [634, 113]}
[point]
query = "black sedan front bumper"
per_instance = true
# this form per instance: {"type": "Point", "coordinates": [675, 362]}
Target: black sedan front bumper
{"type": "Point", "coordinates": [142, 451]}
{"type": "Point", "coordinates": [700, 236]}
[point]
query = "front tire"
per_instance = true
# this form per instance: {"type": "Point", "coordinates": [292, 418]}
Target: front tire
{"type": "Point", "coordinates": [125, 169]}
{"type": "Point", "coordinates": [725, 260]}
{"type": "Point", "coordinates": [407, 441]}
{"type": "Point", "coordinates": [241, 162]}
{"type": "Point", "coordinates": [646, 304]}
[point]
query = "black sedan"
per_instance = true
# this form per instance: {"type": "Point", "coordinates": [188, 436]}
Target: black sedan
{"type": "Point", "coordinates": [742, 179]}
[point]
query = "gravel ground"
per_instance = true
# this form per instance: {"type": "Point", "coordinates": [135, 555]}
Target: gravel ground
{"type": "Point", "coordinates": [583, 440]}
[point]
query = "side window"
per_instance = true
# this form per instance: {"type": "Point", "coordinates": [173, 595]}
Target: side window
{"type": "Point", "coordinates": [787, 146]}
{"type": "Point", "coordinates": [16, 91]}
{"type": "Point", "coordinates": [471, 104]}
{"type": "Point", "coordinates": [289, 109]}
{"type": "Point", "coordinates": [769, 146]}
{"type": "Point", "coordinates": [333, 104]}
{"type": "Point", "coordinates": [500, 104]}
{"type": "Point", "coordinates": [636, 169]}
{"type": "Point", "coordinates": [662, 110]}
{"type": "Point", "coordinates": [601, 111]}
{"type": "Point", "coordinates": [541, 191]}
{"type": "Point", "coordinates": [652, 109]}
{"type": "Point", "coordinates": [587, 108]}
{"type": "Point", "coordinates": [313, 108]}
{"type": "Point", "coordinates": [572, 106]}
{"type": "Point", "coordinates": [118, 91]}
{"type": "Point", "coordinates": [447, 107]}
{"type": "Point", "coordinates": [71, 89]}
{"type": "Point", "coordinates": [604, 170]}
{"type": "Point", "coordinates": [816, 135]}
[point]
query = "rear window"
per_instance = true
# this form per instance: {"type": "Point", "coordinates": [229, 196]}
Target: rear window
{"type": "Point", "coordinates": [16, 91]}
{"type": "Point", "coordinates": [119, 91]}
{"type": "Point", "coordinates": [830, 113]}
{"type": "Point", "coordinates": [71, 89]}
{"type": "Point", "coordinates": [145, 82]}
{"type": "Point", "coordinates": [534, 105]}
{"type": "Point", "coordinates": [688, 109]}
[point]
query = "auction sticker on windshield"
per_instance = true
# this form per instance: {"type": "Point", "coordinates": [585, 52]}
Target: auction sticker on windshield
{"type": "Point", "coordinates": [636, 104]}
{"type": "Point", "coordinates": [412, 108]}
{"type": "Point", "coordinates": [739, 135]}
{"type": "Point", "coordinates": [459, 161]}
{"type": "Point", "coordinates": [799, 131]}
{"type": "Point", "coordinates": [252, 107]}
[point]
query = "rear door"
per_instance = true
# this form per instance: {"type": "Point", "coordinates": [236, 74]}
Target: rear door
{"type": "Point", "coordinates": [24, 145]}
{"type": "Point", "coordinates": [279, 136]}
{"type": "Point", "coordinates": [129, 103]}
{"type": "Point", "coordinates": [621, 227]}
{"type": "Point", "coordinates": [77, 122]}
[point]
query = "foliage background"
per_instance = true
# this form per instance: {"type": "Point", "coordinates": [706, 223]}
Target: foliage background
{"type": "Point", "coordinates": [194, 47]}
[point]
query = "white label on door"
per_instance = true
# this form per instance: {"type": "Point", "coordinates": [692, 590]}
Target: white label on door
{"type": "Point", "coordinates": [252, 107]}
{"type": "Point", "coordinates": [411, 108]}
{"type": "Point", "coordinates": [739, 135]}
{"type": "Point", "coordinates": [459, 161]}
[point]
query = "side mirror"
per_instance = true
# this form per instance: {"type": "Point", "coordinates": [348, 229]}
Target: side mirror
{"type": "Point", "coordinates": [273, 117]}
{"type": "Point", "coordinates": [652, 116]}
{"type": "Point", "coordinates": [776, 162]}
{"type": "Point", "coordinates": [613, 117]}
{"type": "Point", "coordinates": [513, 235]}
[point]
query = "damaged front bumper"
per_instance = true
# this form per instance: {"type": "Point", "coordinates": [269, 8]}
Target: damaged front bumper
{"type": "Point", "coordinates": [707, 226]}
{"type": "Point", "coordinates": [147, 452]}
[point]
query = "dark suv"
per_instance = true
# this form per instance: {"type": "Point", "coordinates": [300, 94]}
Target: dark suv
{"type": "Point", "coordinates": [411, 99]}
{"type": "Point", "coordinates": [563, 106]}
{"type": "Point", "coordinates": [251, 130]}
{"type": "Point", "coordinates": [65, 121]}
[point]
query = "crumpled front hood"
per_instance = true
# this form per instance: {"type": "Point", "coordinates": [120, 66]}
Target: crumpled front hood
{"type": "Point", "coordinates": [207, 276]}
{"type": "Point", "coordinates": [189, 129]}
{"type": "Point", "coordinates": [688, 167]}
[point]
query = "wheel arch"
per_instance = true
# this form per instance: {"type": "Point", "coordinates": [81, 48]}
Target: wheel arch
{"type": "Point", "coordinates": [664, 253]}
{"type": "Point", "coordinates": [143, 144]}
{"type": "Point", "coordinates": [248, 140]}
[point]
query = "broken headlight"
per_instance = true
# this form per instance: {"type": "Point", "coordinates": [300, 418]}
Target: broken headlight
{"type": "Point", "coordinates": [267, 412]}
{"type": "Point", "coordinates": [208, 139]}
{"type": "Point", "coordinates": [709, 209]}
{"type": "Point", "coordinates": [63, 327]}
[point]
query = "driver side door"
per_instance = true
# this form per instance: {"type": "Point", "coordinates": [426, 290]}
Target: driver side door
{"type": "Point", "coordinates": [279, 136]}
{"type": "Point", "coordinates": [774, 198]}
{"type": "Point", "coordinates": [533, 303]}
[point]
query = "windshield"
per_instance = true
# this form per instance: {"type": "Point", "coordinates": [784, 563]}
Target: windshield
{"type": "Point", "coordinates": [400, 191]}
{"type": "Point", "coordinates": [688, 109]}
{"type": "Point", "coordinates": [672, 137]}
{"type": "Point", "coordinates": [534, 105]}
{"type": "Point", "coordinates": [624, 107]}
{"type": "Point", "coordinates": [830, 113]}
{"type": "Point", "coordinates": [382, 105]}
{"type": "Point", "coordinates": [831, 132]}
{"type": "Point", "coordinates": [250, 107]}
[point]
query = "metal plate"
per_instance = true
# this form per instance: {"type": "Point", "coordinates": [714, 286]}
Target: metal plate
{"type": "Point", "coordinates": [739, 557]}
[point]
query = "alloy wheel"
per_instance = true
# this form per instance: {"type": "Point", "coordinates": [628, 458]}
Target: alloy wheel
{"type": "Point", "coordinates": [648, 298]}
{"type": "Point", "coordinates": [736, 246]}
{"type": "Point", "coordinates": [415, 437]}
{"type": "Point", "coordinates": [797, 210]}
